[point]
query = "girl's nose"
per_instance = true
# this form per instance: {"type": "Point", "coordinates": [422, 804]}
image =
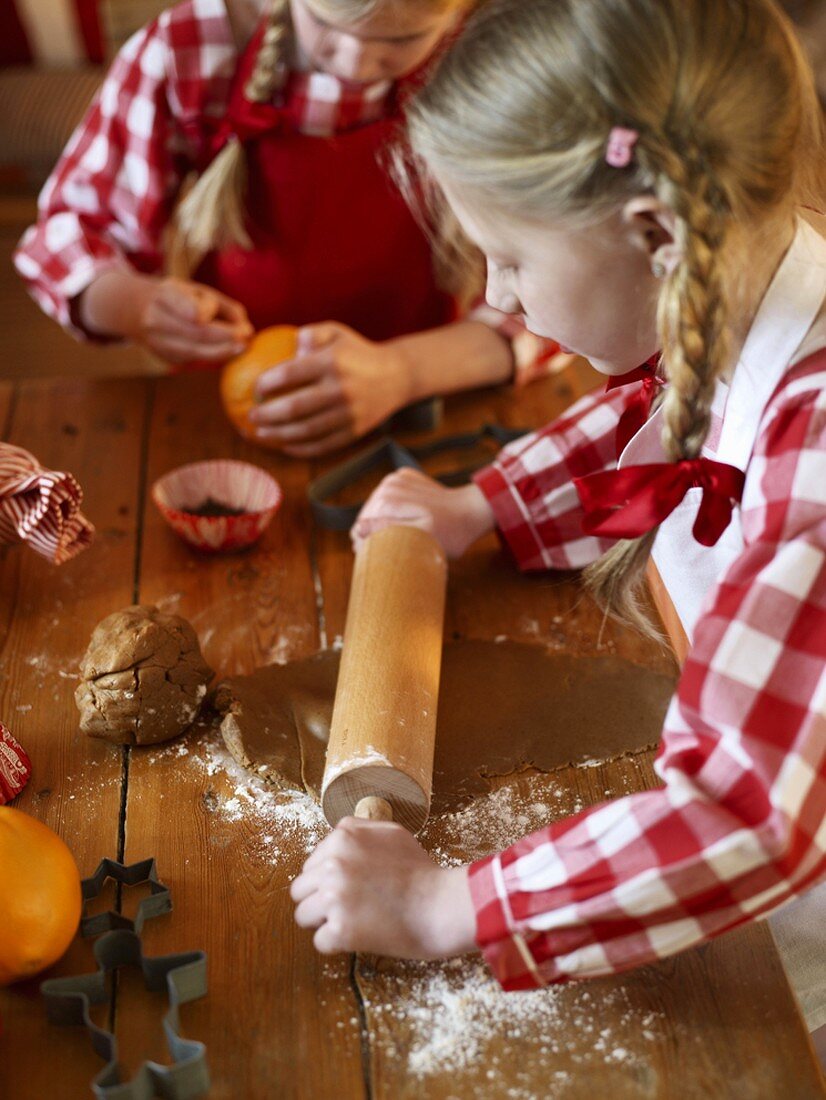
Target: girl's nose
{"type": "Point", "coordinates": [502, 299]}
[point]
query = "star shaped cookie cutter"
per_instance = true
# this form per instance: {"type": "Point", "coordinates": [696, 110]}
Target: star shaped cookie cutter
{"type": "Point", "coordinates": [183, 975]}
{"type": "Point", "coordinates": [133, 874]}
{"type": "Point", "coordinates": [389, 453]}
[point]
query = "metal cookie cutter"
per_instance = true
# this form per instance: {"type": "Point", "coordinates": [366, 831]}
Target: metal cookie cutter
{"type": "Point", "coordinates": [182, 974]}
{"type": "Point", "coordinates": [389, 452]}
{"type": "Point", "coordinates": [158, 902]}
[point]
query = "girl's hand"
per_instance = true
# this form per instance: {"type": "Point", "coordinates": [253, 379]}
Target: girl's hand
{"type": "Point", "coordinates": [369, 886]}
{"type": "Point", "coordinates": [182, 321]}
{"type": "Point", "coordinates": [455, 517]}
{"type": "Point", "coordinates": [177, 320]}
{"type": "Point", "coordinates": [339, 386]}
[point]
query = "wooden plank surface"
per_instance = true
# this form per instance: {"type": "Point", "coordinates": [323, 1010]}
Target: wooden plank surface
{"type": "Point", "coordinates": [6, 398]}
{"type": "Point", "coordinates": [46, 616]}
{"type": "Point", "coordinates": [280, 1021]}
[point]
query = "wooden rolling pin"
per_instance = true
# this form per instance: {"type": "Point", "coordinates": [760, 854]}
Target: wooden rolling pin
{"type": "Point", "coordinates": [383, 731]}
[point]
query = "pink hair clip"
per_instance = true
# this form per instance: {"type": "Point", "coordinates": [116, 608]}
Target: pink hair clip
{"type": "Point", "coordinates": [620, 147]}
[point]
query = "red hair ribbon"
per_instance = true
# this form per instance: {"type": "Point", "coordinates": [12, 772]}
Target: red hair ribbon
{"type": "Point", "coordinates": [627, 503]}
{"type": "Point", "coordinates": [245, 119]}
{"type": "Point", "coordinates": [639, 408]}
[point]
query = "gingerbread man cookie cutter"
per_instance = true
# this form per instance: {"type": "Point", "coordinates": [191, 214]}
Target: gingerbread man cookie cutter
{"type": "Point", "coordinates": [183, 975]}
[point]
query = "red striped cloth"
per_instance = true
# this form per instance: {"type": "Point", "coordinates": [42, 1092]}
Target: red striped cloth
{"type": "Point", "coordinates": [40, 507]}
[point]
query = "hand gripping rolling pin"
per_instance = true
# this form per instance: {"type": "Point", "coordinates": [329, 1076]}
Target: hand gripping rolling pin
{"type": "Point", "coordinates": [383, 731]}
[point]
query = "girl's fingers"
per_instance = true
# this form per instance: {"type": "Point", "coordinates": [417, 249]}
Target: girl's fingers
{"type": "Point", "coordinates": [298, 405]}
{"type": "Point", "coordinates": [230, 310]}
{"type": "Point", "coordinates": [293, 373]}
{"type": "Point", "coordinates": [385, 502]}
{"type": "Point", "coordinates": [363, 529]}
{"type": "Point", "coordinates": [313, 337]}
{"type": "Point", "coordinates": [312, 911]}
{"type": "Point", "coordinates": [303, 887]}
{"type": "Point", "coordinates": [201, 305]}
{"type": "Point", "coordinates": [320, 854]}
{"type": "Point", "coordinates": [182, 300]}
{"type": "Point", "coordinates": [183, 351]}
{"type": "Point", "coordinates": [312, 430]}
{"type": "Point", "coordinates": [321, 447]}
{"type": "Point", "coordinates": [170, 324]}
{"type": "Point", "coordinates": [329, 939]}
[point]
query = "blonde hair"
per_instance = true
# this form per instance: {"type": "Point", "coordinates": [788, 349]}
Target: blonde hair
{"type": "Point", "coordinates": [730, 137]}
{"type": "Point", "coordinates": [212, 214]}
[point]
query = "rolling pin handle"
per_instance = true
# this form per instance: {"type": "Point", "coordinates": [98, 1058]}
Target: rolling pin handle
{"type": "Point", "coordinates": [374, 808]}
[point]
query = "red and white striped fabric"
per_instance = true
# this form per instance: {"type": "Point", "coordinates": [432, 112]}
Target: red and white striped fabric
{"type": "Point", "coordinates": [739, 826]}
{"type": "Point", "coordinates": [112, 194]}
{"type": "Point", "coordinates": [40, 507]}
{"type": "Point", "coordinates": [50, 32]}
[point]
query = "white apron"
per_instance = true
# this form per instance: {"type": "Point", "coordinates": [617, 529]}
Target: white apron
{"type": "Point", "coordinates": [691, 571]}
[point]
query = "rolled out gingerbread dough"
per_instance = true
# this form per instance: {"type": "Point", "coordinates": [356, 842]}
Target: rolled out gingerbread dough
{"type": "Point", "coordinates": [503, 707]}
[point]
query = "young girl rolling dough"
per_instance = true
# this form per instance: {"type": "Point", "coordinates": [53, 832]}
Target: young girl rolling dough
{"type": "Point", "coordinates": [635, 173]}
{"type": "Point", "coordinates": [293, 218]}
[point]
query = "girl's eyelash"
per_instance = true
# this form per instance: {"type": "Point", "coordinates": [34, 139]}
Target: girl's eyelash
{"type": "Point", "coordinates": [404, 41]}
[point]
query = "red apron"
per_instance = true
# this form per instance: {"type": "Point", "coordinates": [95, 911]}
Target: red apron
{"type": "Point", "coordinates": [333, 238]}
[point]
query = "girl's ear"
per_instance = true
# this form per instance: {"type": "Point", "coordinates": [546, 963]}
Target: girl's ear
{"type": "Point", "coordinates": [650, 225]}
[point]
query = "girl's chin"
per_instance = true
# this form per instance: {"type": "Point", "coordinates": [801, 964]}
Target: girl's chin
{"type": "Point", "coordinates": [613, 370]}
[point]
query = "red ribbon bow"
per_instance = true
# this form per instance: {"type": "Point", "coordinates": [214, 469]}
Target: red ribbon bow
{"type": "Point", "coordinates": [246, 119]}
{"type": "Point", "coordinates": [639, 408]}
{"type": "Point", "coordinates": [629, 502]}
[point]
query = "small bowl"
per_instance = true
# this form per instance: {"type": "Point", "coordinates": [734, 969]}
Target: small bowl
{"type": "Point", "coordinates": [221, 483]}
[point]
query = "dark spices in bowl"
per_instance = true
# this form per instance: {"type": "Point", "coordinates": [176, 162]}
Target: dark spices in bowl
{"type": "Point", "coordinates": [211, 507]}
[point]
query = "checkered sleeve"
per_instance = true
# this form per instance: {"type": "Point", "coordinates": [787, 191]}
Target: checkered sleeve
{"type": "Point", "coordinates": [111, 194]}
{"type": "Point", "coordinates": [738, 826]}
{"type": "Point", "coordinates": [533, 356]}
{"type": "Point", "coordinates": [530, 488]}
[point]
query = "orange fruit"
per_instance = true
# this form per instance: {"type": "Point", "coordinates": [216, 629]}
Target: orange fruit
{"type": "Point", "coordinates": [267, 348]}
{"type": "Point", "coordinates": [40, 900]}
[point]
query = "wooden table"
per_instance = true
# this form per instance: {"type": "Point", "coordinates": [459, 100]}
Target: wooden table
{"type": "Point", "coordinates": [279, 1020]}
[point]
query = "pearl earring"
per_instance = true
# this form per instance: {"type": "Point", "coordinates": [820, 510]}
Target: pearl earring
{"type": "Point", "coordinates": [657, 269]}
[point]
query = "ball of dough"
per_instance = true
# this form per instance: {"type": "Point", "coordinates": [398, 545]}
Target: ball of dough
{"type": "Point", "coordinates": [143, 677]}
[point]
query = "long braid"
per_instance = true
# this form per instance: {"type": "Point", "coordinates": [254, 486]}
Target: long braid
{"type": "Point", "coordinates": [213, 213]}
{"type": "Point", "coordinates": [268, 73]}
{"type": "Point", "coordinates": [691, 311]}
{"type": "Point", "coordinates": [695, 346]}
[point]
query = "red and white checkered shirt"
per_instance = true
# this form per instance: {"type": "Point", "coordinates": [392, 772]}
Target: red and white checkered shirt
{"type": "Point", "coordinates": [739, 825]}
{"type": "Point", "coordinates": [113, 192]}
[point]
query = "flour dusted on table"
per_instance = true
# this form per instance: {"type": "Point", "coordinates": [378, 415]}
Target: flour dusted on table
{"type": "Point", "coordinates": [452, 1017]}
{"type": "Point", "coordinates": [281, 823]}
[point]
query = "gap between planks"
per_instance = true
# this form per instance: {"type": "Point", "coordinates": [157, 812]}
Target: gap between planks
{"type": "Point", "coordinates": [126, 751]}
